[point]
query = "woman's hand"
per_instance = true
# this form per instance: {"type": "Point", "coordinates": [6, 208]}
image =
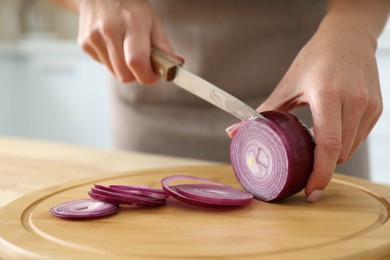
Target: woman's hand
{"type": "Point", "coordinates": [336, 75]}
{"type": "Point", "coordinates": [120, 34]}
{"type": "Point", "coordinates": [338, 79]}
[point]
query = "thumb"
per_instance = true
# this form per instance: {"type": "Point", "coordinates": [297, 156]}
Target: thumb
{"type": "Point", "coordinates": [281, 100]}
{"type": "Point", "coordinates": [267, 105]}
{"type": "Point", "coordinates": [275, 101]}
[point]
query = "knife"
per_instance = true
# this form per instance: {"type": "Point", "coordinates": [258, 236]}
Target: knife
{"type": "Point", "coordinates": [171, 70]}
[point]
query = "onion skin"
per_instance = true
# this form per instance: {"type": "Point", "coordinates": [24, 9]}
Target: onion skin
{"type": "Point", "coordinates": [286, 151]}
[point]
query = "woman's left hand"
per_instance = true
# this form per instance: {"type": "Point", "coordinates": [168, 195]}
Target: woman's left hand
{"type": "Point", "coordinates": [337, 78]}
{"type": "Point", "coordinates": [336, 75]}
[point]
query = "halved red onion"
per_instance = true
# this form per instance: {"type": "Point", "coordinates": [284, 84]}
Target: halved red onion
{"type": "Point", "coordinates": [212, 194]}
{"type": "Point", "coordinates": [272, 159]}
{"type": "Point", "coordinates": [83, 209]}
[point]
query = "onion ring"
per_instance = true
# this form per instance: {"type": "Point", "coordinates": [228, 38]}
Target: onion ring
{"type": "Point", "coordinates": [213, 194]}
{"type": "Point", "coordinates": [141, 190]}
{"type": "Point", "coordinates": [83, 209]}
{"type": "Point", "coordinates": [124, 197]}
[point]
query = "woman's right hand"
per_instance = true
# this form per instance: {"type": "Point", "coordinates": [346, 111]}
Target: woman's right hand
{"type": "Point", "coordinates": [120, 34]}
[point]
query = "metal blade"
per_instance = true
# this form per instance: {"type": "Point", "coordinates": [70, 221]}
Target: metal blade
{"type": "Point", "coordinates": [216, 96]}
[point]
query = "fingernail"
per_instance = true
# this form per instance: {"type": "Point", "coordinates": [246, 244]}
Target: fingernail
{"type": "Point", "coordinates": [230, 129]}
{"type": "Point", "coordinates": [314, 195]}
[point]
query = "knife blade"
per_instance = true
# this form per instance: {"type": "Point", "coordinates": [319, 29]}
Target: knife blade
{"type": "Point", "coordinates": [171, 70]}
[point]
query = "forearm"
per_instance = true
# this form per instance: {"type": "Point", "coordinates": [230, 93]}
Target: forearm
{"type": "Point", "coordinates": [364, 19]}
{"type": "Point", "coordinates": [71, 5]}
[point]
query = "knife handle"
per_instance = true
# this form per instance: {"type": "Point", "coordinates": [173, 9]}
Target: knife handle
{"type": "Point", "coordinates": [164, 64]}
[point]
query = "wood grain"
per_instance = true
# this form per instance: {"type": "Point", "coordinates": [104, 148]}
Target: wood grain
{"type": "Point", "coordinates": [350, 222]}
{"type": "Point", "coordinates": [28, 165]}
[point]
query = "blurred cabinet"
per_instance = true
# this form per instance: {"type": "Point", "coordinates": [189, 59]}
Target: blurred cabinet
{"type": "Point", "coordinates": [52, 90]}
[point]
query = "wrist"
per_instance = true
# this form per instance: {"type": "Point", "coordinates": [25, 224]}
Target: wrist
{"type": "Point", "coordinates": [360, 22]}
{"type": "Point", "coordinates": [342, 33]}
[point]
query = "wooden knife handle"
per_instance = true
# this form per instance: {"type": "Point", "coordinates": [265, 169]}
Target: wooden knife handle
{"type": "Point", "coordinates": [164, 64]}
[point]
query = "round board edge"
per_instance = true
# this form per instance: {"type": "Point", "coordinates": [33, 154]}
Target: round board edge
{"type": "Point", "coordinates": [17, 207]}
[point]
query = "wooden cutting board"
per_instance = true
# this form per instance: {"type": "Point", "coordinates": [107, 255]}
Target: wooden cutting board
{"type": "Point", "coordinates": [349, 221]}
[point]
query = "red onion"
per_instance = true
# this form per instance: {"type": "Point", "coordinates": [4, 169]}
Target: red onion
{"type": "Point", "coordinates": [220, 195]}
{"type": "Point", "coordinates": [272, 159]}
{"type": "Point", "coordinates": [83, 209]}
{"type": "Point", "coordinates": [123, 197]}
{"type": "Point", "coordinates": [105, 199]}
{"type": "Point", "coordinates": [141, 190]}
{"type": "Point", "coordinates": [213, 194]}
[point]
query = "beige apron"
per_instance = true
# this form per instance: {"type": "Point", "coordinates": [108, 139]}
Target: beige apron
{"type": "Point", "coordinates": [244, 47]}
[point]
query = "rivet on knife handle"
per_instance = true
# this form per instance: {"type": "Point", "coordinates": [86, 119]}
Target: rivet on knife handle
{"type": "Point", "coordinates": [164, 64]}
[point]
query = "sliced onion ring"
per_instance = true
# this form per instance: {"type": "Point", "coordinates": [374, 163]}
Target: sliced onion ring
{"type": "Point", "coordinates": [272, 159]}
{"type": "Point", "coordinates": [83, 209]}
{"type": "Point", "coordinates": [123, 197]}
{"type": "Point", "coordinates": [213, 194]}
{"type": "Point", "coordinates": [141, 190]}
{"type": "Point", "coordinates": [104, 198]}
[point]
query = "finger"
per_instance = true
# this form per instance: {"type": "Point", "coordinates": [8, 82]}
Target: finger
{"type": "Point", "coordinates": [97, 44]}
{"type": "Point", "coordinates": [137, 49]}
{"type": "Point", "coordinates": [351, 119]}
{"type": "Point", "coordinates": [86, 48]}
{"type": "Point", "coordinates": [369, 119]}
{"type": "Point", "coordinates": [232, 130]}
{"type": "Point", "coordinates": [327, 133]}
{"type": "Point", "coordinates": [281, 99]}
{"type": "Point", "coordinates": [273, 102]}
{"type": "Point", "coordinates": [375, 120]}
{"type": "Point", "coordinates": [114, 44]}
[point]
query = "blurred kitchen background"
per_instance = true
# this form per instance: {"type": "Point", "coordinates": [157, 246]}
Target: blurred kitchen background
{"type": "Point", "coordinates": [51, 90]}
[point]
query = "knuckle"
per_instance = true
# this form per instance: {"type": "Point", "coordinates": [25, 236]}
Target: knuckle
{"type": "Point", "coordinates": [344, 156]}
{"type": "Point", "coordinates": [361, 100]}
{"type": "Point", "coordinates": [85, 46]}
{"type": "Point", "coordinates": [149, 81]}
{"type": "Point", "coordinates": [329, 93]}
{"type": "Point", "coordinates": [125, 77]}
{"type": "Point", "coordinates": [376, 107]}
{"type": "Point", "coordinates": [135, 61]}
{"type": "Point", "coordinates": [129, 17]}
{"type": "Point", "coordinates": [106, 30]}
{"type": "Point", "coordinates": [82, 41]}
{"type": "Point", "coordinates": [88, 39]}
{"type": "Point", "coordinates": [380, 108]}
{"type": "Point", "coordinates": [332, 145]}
